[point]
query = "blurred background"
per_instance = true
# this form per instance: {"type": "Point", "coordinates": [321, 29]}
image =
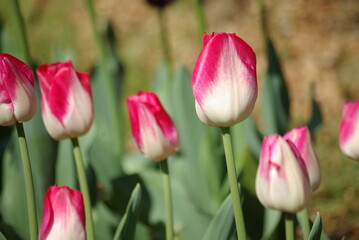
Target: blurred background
{"type": "Point", "coordinates": [317, 43]}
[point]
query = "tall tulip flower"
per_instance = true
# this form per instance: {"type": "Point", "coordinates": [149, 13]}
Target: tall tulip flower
{"type": "Point", "coordinates": [282, 181]}
{"type": "Point", "coordinates": [349, 130]}
{"type": "Point", "coordinates": [224, 80]}
{"type": "Point", "coordinates": [152, 128]}
{"type": "Point", "coordinates": [66, 100]}
{"type": "Point", "coordinates": [63, 216]}
{"type": "Point", "coordinates": [300, 136]}
{"type": "Point", "coordinates": [17, 96]}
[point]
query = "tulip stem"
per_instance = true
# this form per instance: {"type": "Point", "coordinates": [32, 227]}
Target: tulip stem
{"type": "Point", "coordinates": [19, 21]}
{"type": "Point", "coordinates": [305, 223]}
{"type": "Point", "coordinates": [289, 226]}
{"type": "Point", "coordinates": [168, 199]}
{"type": "Point", "coordinates": [81, 174]}
{"type": "Point", "coordinates": [233, 184]}
{"type": "Point", "coordinates": [104, 66]}
{"type": "Point", "coordinates": [29, 185]}
{"type": "Point", "coordinates": [164, 37]}
{"type": "Point", "coordinates": [200, 17]}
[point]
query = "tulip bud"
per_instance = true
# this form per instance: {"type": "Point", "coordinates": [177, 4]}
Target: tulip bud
{"type": "Point", "coordinates": [349, 130]}
{"type": "Point", "coordinates": [301, 138]}
{"type": "Point", "coordinates": [152, 128]}
{"type": "Point", "coordinates": [282, 182]}
{"type": "Point", "coordinates": [63, 215]}
{"type": "Point", "coordinates": [224, 80]}
{"type": "Point", "coordinates": [159, 3]}
{"type": "Point", "coordinates": [66, 100]}
{"type": "Point", "coordinates": [17, 95]}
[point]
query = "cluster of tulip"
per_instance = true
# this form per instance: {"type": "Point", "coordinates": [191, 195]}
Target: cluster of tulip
{"type": "Point", "coordinates": [225, 89]}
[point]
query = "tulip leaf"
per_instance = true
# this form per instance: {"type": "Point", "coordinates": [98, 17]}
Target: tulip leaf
{"type": "Point", "coordinates": [126, 228]}
{"type": "Point", "coordinates": [271, 221]}
{"type": "Point", "coordinates": [316, 117]}
{"type": "Point", "coordinates": [201, 146]}
{"type": "Point", "coordinates": [221, 225]}
{"type": "Point", "coordinates": [105, 221]}
{"type": "Point", "coordinates": [162, 86]}
{"type": "Point", "coordinates": [2, 237]}
{"type": "Point", "coordinates": [275, 100]}
{"type": "Point", "coordinates": [65, 166]}
{"type": "Point", "coordinates": [316, 232]}
{"type": "Point", "coordinates": [253, 137]}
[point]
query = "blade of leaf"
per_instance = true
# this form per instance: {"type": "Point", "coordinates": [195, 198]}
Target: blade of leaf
{"type": "Point", "coordinates": [221, 224]}
{"type": "Point", "coordinates": [275, 100]}
{"type": "Point", "coordinates": [271, 221]}
{"type": "Point", "coordinates": [316, 119]}
{"type": "Point", "coordinates": [2, 237]}
{"type": "Point", "coordinates": [316, 232]}
{"type": "Point", "coordinates": [126, 228]}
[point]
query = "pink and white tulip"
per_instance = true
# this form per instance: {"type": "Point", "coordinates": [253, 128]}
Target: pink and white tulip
{"type": "Point", "coordinates": [224, 80]}
{"type": "Point", "coordinates": [300, 136]}
{"type": "Point", "coordinates": [17, 95]}
{"type": "Point", "coordinates": [349, 130]}
{"type": "Point", "coordinates": [153, 130]}
{"type": "Point", "coordinates": [282, 181]}
{"type": "Point", "coordinates": [63, 215]}
{"type": "Point", "coordinates": [66, 100]}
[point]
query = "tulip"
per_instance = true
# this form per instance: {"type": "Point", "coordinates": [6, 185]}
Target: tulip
{"type": "Point", "coordinates": [63, 216]}
{"type": "Point", "coordinates": [301, 138]}
{"type": "Point", "coordinates": [159, 3]}
{"type": "Point", "coordinates": [17, 95]}
{"type": "Point", "coordinates": [282, 181]}
{"type": "Point", "coordinates": [66, 100]}
{"type": "Point", "coordinates": [224, 80]}
{"type": "Point", "coordinates": [152, 128]}
{"type": "Point", "coordinates": [349, 130]}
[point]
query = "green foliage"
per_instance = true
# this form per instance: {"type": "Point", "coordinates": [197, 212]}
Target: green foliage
{"type": "Point", "coordinates": [127, 226]}
{"type": "Point", "coordinates": [316, 232]}
{"type": "Point", "coordinates": [221, 225]}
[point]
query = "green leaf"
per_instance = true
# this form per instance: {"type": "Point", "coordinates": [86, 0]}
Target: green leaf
{"type": "Point", "coordinates": [316, 232]}
{"type": "Point", "coordinates": [253, 137]}
{"type": "Point", "coordinates": [105, 221]}
{"type": "Point", "coordinates": [275, 100]}
{"type": "Point", "coordinates": [221, 225]}
{"type": "Point", "coordinates": [126, 228]}
{"type": "Point", "coordinates": [2, 237]}
{"type": "Point", "coordinates": [316, 120]}
{"type": "Point", "coordinates": [271, 221]}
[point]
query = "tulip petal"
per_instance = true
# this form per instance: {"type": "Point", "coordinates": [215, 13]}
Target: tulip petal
{"type": "Point", "coordinates": [152, 128]}
{"type": "Point", "coordinates": [224, 80]}
{"type": "Point", "coordinates": [349, 130]}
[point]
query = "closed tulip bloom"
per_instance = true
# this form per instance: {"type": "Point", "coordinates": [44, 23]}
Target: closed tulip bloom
{"type": "Point", "coordinates": [152, 128]}
{"type": "Point", "coordinates": [66, 100]}
{"type": "Point", "coordinates": [300, 136]}
{"type": "Point", "coordinates": [282, 182]}
{"type": "Point", "coordinates": [224, 80]}
{"type": "Point", "coordinates": [17, 95]}
{"type": "Point", "coordinates": [349, 130]}
{"type": "Point", "coordinates": [63, 215]}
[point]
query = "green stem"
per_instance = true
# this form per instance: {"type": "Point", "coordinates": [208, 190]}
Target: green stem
{"type": "Point", "coordinates": [29, 186]}
{"type": "Point", "coordinates": [200, 17]}
{"type": "Point", "coordinates": [81, 174]}
{"type": "Point", "coordinates": [104, 65]}
{"type": "Point", "coordinates": [19, 22]}
{"type": "Point", "coordinates": [168, 199]}
{"type": "Point", "coordinates": [305, 223]}
{"type": "Point", "coordinates": [289, 226]}
{"type": "Point", "coordinates": [233, 184]}
{"type": "Point", "coordinates": [164, 37]}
